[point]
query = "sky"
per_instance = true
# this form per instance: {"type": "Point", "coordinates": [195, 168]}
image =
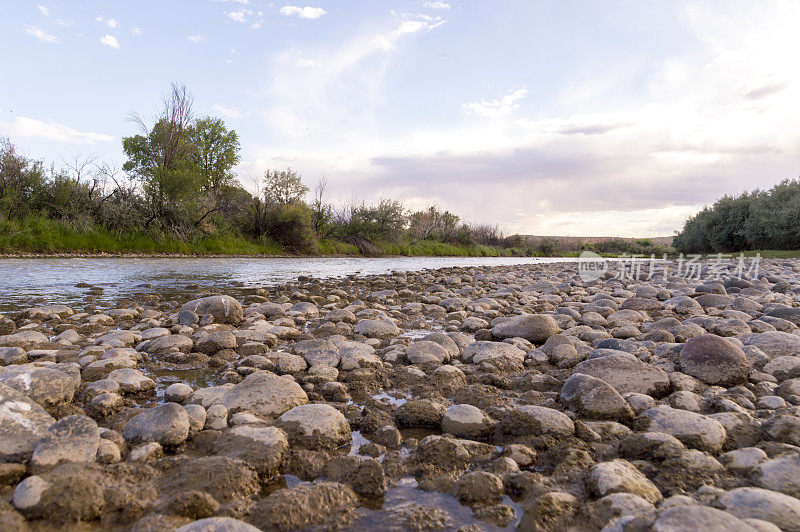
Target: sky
{"type": "Point", "coordinates": [577, 118]}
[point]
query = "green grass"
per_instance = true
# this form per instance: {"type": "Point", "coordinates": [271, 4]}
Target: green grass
{"type": "Point", "coordinates": [37, 234]}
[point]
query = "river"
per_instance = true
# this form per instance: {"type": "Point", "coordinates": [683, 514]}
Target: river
{"type": "Point", "coordinates": [29, 282]}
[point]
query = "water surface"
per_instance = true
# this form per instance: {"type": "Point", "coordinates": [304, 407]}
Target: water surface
{"type": "Point", "coordinates": [27, 282]}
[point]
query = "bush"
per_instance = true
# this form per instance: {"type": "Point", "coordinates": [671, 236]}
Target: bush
{"type": "Point", "coordinates": [290, 225]}
{"type": "Point", "coordinates": [548, 247]}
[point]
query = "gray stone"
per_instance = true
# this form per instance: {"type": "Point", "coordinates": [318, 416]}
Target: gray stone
{"type": "Point", "coordinates": [224, 309]}
{"type": "Point", "coordinates": [166, 424]}
{"type": "Point", "coordinates": [217, 524]}
{"type": "Point", "coordinates": [779, 474]}
{"type": "Point", "coordinates": [537, 421]}
{"type": "Point", "coordinates": [696, 517]}
{"type": "Point", "coordinates": [620, 476]}
{"type": "Point", "coordinates": [70, 439]}
{"type": "Point", "coordinates": [692, 429]}
{"type": "Point", "coordinates": [467, 421]}
{"type": "Point", "coordinates": [627, 374]}
{"type": "Point", "coordinates": [264, 448]}
{"type": "Point", "coordinates": [315, 426]}
{"type": "Point", "coordinates": [22, 424]}
{"type": "Point", "coordinates": [756, 503]}
{"type": "Point", "coordinates": [714, 360]}
{"type": "Point", "coordinates": [264, 394]}
{"type": "Point", "coordinates": [533, 327]}
{"type": "Point", "coordinates": [594, 398]}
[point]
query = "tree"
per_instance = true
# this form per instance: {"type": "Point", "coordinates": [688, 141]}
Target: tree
{"type": "Point", "coordinates": [284, 187]}
{"type": "Point", "coordinates": [215, 151]}
{"type": "Point", "coordinates": [321, 211]}
{"type": "Point", "coordinates": [160, 157]}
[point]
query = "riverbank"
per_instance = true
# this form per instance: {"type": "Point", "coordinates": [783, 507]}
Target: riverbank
{"type": "Point", "coordinates": [496, 396]}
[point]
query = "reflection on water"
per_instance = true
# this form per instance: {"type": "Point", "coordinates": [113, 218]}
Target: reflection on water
{"type": "Point", "coordinates": [27, 282]}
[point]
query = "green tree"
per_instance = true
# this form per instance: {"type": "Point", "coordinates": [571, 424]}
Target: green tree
{"type": "Point", "coordinates": [284, 187]}
{"type": "Point", "coordinates": [215, 151]}
{"type": "Point", "coordinates": [161, 158]}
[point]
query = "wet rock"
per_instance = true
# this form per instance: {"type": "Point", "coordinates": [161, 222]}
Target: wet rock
{"type": "Point", "coordinates": [550, 511]}
{"type": "Point", "coordinates": [537, 421]}
{"type": "Point", "coordinates": [12, 355]}
{"type": "Point", "coordinates": [486, 351]}
{"type": "Point", "coordinates": [425, 352]}
{"type": "Point", "coordinates": [264, 448]}
{"type": "Point", "coordinates": [174, 343]}
{"type": "Point", "coordinates": [479, 488]}
{"type": "Point", "coordinates": [627, 374]}
{"type": "Point", "coordinates": [325, 504]}
{"type": "Point", "coordinates": [22, 423]}
{"type": "Point", "coordinates": [224, 309]}
{"type": "Point", "coordinates": [467, 421]}
{"type": "Point", "coordinates": [315, 426]}
{"type": "Point", "coordinates": [133, 382]}
{"type": "Point", "coordinates": [420, 413]}
{"type": "Point", "coordinates": [594, 398]}
{"type": "Point", "coordinates": [532, 327]}
{"type": "Point", "coordinates": [224, 479]}
{"type": "Point", "coordinates": [264, 394]}
{"type": "Point", "coordinates": [177, 392]}
{"type": "Point", "coordinates": [316, 352]}
{"type": "Point", "coordinates": [166, 424]}
{"type": "Point", "coordinates": [25, 339]}
{"type": "Point", "coordinates": [692, 429]}
{"type": "Point", "coordinates": [215, 342]}
{"type": "Point", "coordinates": [714, 360]}
{"type": "Point", "coordinates": [147, 452]}
{"type": "Point", "coordinates": [381, 329]}
{"type": "Point", "coordinates": [70, 439]}
{"type": "Point", "coordinates": [49, 385]}
{"type": "Point", "coordinates": [436, 455]}
{"type": "Point", "coordinates": [620, 476]}
{"type": "Point", "coordinates": [216, 418]}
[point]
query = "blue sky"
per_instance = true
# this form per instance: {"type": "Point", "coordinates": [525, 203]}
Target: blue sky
{"type": "Point", "coordinates": [561, 118]}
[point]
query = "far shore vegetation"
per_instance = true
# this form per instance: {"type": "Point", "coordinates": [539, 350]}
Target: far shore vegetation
{"type": "Point", "coordinates": [178, 193]}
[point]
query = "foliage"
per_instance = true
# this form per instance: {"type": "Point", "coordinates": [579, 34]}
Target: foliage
{"type": "Point", "coordinates": [752, 220]}
{"type": "Point", "coordinates": [284, 187]}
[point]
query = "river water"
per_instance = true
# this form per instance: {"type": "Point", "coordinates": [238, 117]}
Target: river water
{"type": "Point", "coordinates": [29, 282]}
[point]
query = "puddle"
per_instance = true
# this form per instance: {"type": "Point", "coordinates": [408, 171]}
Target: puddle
{"type": "Point", "coordinates": [396, 400]}
{"type": "Point", "coordinates": [196, 377]}
{"type": "Point", "coordinates": [393, 515]}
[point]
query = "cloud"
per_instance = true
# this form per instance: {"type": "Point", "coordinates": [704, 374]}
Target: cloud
{"type": "Point", "coordinates": [136, 31]}
{"type": "Point", "coordinates": [110, 41]}
{"type": "Point", "coordinates": [234, 1]}
{"type": "Point", "coordinates": [197, 38]}
{"type": "Point", "coordinates": [345, 85]}
{"type": "Point", "coordinates": [239, 16]}
{"type": "Point", "coordinates": [43, 10]}
{"type": "Point", "coordinates": [498, 107]}
{"type": "Point", "coordinates": [23, 127]}
{"type": "Point", "coordinates": [302, 12]}
{"type": "Point", "coordinates": [42, 35]}
{"type": "Point", "coordinates": [111, 23]}
{"type": "Point", "coordinates": [437, 5]}
{"type": "Point", "coordinates": [229, 111]}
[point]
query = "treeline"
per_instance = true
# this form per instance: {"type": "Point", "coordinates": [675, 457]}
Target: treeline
{"type": "Point", "coordinates": [178, 184]}
{"type": "Point", "coordinates": [757, 220]}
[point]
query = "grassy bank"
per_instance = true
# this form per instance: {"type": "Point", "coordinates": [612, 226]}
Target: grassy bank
{"type": "Point", "coordinates": [40, 235]}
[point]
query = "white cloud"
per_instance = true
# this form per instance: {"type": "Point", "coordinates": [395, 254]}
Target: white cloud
{"type": "Point", "coordinates": [302, 12]}
{"type": "Point", "coordinates": [239, 16]}
{"type": "Point", "coordinates": [110, 41]}
{"type": "Point", "coordinates": [136, 31]}
{"type": "Point", "coordinates": [303, 62]}
{"type": "Point", "coordinates": [111, 23]}
{"type": "Point", "coordinates": [43, 10]}
{"type": "Point", "coordinates": [39, 33]}
{"type": "Point", "coordinates": [234, 1]}
{"type": "Point", "coordinates": [23, 127]}
{"type": "Point", "coordinates": [229, 111]}
{"type": "Point", "coordinates": [437, 5]}
{"type": "Point", "coordinates": [498, 107]}
{"type": "Point", "coordinates": [197, 38]}
{"type": "Point", "coordinates": [713, 118]}
{"type": "Point", "coordinates": [64, 22]}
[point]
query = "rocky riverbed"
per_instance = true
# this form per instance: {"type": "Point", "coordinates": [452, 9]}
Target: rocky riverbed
{"type": "Point", "coordinates": [476, 398]}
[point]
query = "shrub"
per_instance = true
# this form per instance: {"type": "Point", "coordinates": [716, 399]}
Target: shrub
{"type": "Point", "coordinates": [290, 225]}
